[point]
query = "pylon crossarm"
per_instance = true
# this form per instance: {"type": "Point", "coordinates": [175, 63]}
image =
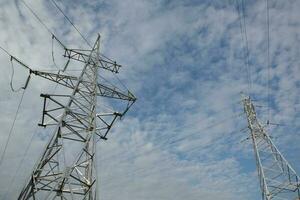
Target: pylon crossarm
{"type": "Point", "coordinates": [104, 123]}
{"type": "Point", "coordinates": [65, 80]}
{"type": "Point", "coordinates": [62, 79]}
{"type": "Point", "coordinates": [77, 117]}
{"type": "Point", "coordinates": [69, 81]}
{"type": "Point", "coordinates": [83, 55]}
{"type": "Point", "coordinates": [106, 91]}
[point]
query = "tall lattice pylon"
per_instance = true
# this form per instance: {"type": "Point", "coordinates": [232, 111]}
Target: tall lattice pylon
{"type": "Point", "coordinates": [66, 168]}
{"type": "Point", "coordinates": [278, 180]}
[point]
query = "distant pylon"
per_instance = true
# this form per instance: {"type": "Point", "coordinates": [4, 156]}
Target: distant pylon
{"type": "Point", "coordinates": [278, 180]}
{"type": "Point", "coordinates": [66, 168]}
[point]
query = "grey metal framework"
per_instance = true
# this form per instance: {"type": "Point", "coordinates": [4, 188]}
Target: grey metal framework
{"type": "Point", "coordinates": [66, 168]}
{"type": "Point", "coordinates": [278, 180]}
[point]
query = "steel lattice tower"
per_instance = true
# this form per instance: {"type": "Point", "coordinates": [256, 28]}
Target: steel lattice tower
{"type": "Point", "coordinates": [66, 169]}
{"type": "Point", "coordinates": [278, 180]}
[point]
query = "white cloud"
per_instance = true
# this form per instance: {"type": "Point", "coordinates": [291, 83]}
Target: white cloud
{"type": "Point", "coordinates": [184, 63]}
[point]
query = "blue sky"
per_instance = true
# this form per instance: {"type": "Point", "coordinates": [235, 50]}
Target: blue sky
{"type": "Point", "coordinates": [184, 61]}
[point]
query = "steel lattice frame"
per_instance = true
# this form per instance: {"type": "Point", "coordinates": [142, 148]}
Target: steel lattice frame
{"type": "Point", "coordinates": [56, 176]}
{"type": "Point", "coordinates": [278, 180]}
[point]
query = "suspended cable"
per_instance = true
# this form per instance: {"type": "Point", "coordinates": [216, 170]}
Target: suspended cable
{"type": "Point", "coordinates": [53, 58]}
{"type": "Point", "coordinates": [228, 141]}
{"type": "Point", "coordinates": [12, 128]}
{"type": "Point", "coordinates": [42, 23]}
{"type": "Point", "coordinates": [111, 84]}
{"type": "Point", "coordinates": [12, 76]}
{"type": "Point", "coordinates": [268, 57]}
{"type": "Point", "coordinates": [11, 79]}
{"type": "Point", "coordinates": [52, 52]}
{"type": "Point", "coordinates": [84, 38]}
{"type": "Point", "coordinates": [167, 141]}
{"type": "Point", "coordinates": [49, 30]}
{"type": "Point", "coordinates": [207, 127]}
{"type": "Point", "coordinates": [21, 163]}
{"type": "Point", "coordinates": [247, 46]}
{"type": "Point", "coordinates": [62, 12]}
{"type": "Point", "coordinates": [143, 169]}
{"type": "Point", "coordinates": [68, 19]}
{"type": "Point", "coordinates": [13, 72]}
{"type": "Point", "coordinates": [125, 87]}
{"type": "Point", "coordinates": [243, 30]}
{"type": "Point", "coordinates": [78, 31]}
{"type": "Point", "coordinates": [191, 123]}
{"type": "Point", "coordinates": [45, 26]}
{"type": "Point", "coordinates": [4, 50]}
{"type": "Point", "coordinates": [37, 17]}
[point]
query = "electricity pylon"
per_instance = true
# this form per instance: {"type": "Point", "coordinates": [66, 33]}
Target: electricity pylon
{"type": "Point", "coordinates": [66, 168]}
{"type": "Point", "coordinates": [278, 180]}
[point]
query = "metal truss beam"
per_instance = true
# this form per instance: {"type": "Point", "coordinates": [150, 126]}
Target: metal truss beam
{"type": "Point", "coordinates": [69, 81]}
{"type": "Point", "coordinates": [278, 180]}
{"type": "Point", "coordinates": [83, 55]}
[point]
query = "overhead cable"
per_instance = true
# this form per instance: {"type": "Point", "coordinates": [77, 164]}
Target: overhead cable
{"type": "Point", "coordinates": [243, 30]}
{"type": "Point", "coordinates": [74, 26]}
{"type": "Point", "coordinates": [37, 17]}
{"type": "Point", "coordinates": [69, 20]}
{"type": "Point", "coordinates": [11, 128]}
{"type": "Point", "coordinates": [268, 56]}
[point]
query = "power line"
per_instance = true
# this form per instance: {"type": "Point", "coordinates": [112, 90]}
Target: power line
{"type": "Point", "coordinates": [25, 153]}
{"type": "Point", "coordinates": [4, 50]}
{"type": "Point", "coordinates": [246, 40]}
{"type": "Point", "coordinates": [69, 20]}
{"type": "Point", "coordinates": [13, 72]}
{"type": "Point", "coordinates": [12, 76]}
{"type": "Point", "coordinates": [243, 30]}
{"type": "Point", "coordinates": [87, 151]}
{"type": "Point", "coordinates": [37, 17]}
{"type": "Point", "coordinates": [43, 24]}
{"type": "Point", "coordinates": [74, 26]}
{"type": "Point", "coordinates": [166, 141]}
{"type": "Point", "coordinates": [143, 169]}
{"type": "Point", "coordinates": [52, 52]}
{"type": "Point", "coordinates": [207, 127]}
{"type": "Point", "coordinates": [190, 123]}
{"type": "Point", "coordinates": [11, 129]}
{"type": "Point", "coordinates": [20, 164]}
{"type": "Point", "coordinates": [268, 56]}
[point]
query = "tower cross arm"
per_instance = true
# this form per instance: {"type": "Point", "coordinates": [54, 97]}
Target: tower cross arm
{"type": "Point", "coordinates": [83, 56]}
{"type": "Point", "coordinates": [103, 90]}
{"type": "Point", "coordinates": [65, 80]}
{"type": "Point", "coordinates": [86, 57]}
{"type": "Point", "coordinates": [114, 92]}
{"type": "Point", "coordinates": [70, 81]}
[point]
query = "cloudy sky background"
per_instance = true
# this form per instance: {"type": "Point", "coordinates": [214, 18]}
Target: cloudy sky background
{"type": "Point", "coordinates": [184, 61]}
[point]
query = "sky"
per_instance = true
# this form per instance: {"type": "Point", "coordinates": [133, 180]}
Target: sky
{"type": "Point", "coordinates": [185, 137]}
